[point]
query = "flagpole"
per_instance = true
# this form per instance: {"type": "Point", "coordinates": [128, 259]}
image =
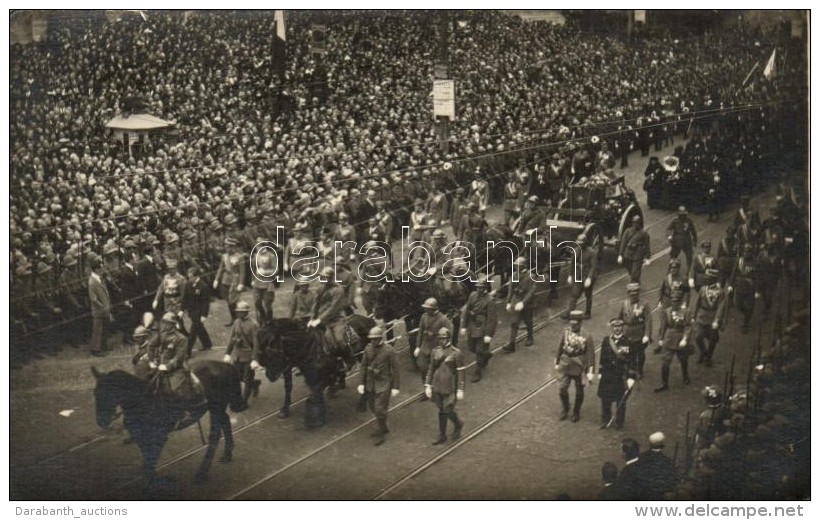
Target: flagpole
{"type": "Point", "coordinates": [749, 75]}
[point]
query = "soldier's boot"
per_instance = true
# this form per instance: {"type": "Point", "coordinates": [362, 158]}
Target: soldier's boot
{"type": "Point", "coordinates": [576, 410]}
{"type": "Point", "coordinates": [381, 432]}
{"type": "Point", "coordinates": [588, 311]}
{"type": "Point", "coordinates": [529, 341]}
{"type": "Point", "coordinates": [255, 387]}
{"type": "Point", "coordinates": [478, 369]}
{"type": "Point", "coordinates": [442, 429]}
{"type": "Point", "coordinates": [564, 395]}
{"type": "Point", "coordinates": [232, 312]}
{"type": "Point", "coordinates": [684, 366]}
{"type": "Point", "coordinates": [459, 425]}
{"type": "Point", "coordinates": [664, 379]}
{"type": "Point", "coordinates": [709, 352]}
{"type": "Point", "coordinates": [701, 350]}
{"type": "Point", "coordinates": [510, 348]}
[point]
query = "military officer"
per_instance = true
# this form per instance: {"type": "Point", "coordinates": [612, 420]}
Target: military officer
{"type": "Point", "coordinates": [637, 318]}
{"type": "Point", "coordinates": [170, 290]}
{"type": "Point", "coordinates": [531, 217]}
{"type": "Point", "coordinates": [743, 282]}
{"type": "Point", "coordinates": [329, 310]}
{"type": "Point", "coordinates": [727, 254]}
{"type": "Point", "coordinates": [520, 301]}
{"type": "Point", "coordinates": [703, 260]}
{"type": "Point", "coordinates": [674, 340]}
{"type": "Point", "coordinates": [196, 301]}
{"type": "Point", "coordinates": [634, 249]}
{"type": "Point", "coordinates": [472, 224]}
{"type": "Point", "coordinates": [266, 265]}
{"type": "Point", "coordinates": [303, 301]}
{"type": "Point", "coordinates": [708, 313]}
{"type": "Point", "coordinates": [588, 275]}
{"type": "Point", "coordinates": [230, 275]}
{"type": "Point", "coordinates": [243, 349]}
{"type": "Point", "coordinates": [380, 379]}
{"type": "Point", "coordinates": [769, 270]}
{"type": "Point", "coordinates": [682, 236]}
{"type": "Point", "coordinates": [478, 321]}
{"type": "Point", "coordinates": [444, 384]}
{"type": "Point", "coordinates": [431, 323]}
{"type": "Point", "coordinates": [575, 363]}
{"type": "Point", "coordinates": [673, 281]}
{"type": "Point", "coordinates": [617, 370]}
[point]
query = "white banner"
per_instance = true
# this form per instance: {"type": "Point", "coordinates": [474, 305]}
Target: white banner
{"type": "Point", "coordinates": [444, 98]}
{"type": "Point", "coordinates": [640, 15]}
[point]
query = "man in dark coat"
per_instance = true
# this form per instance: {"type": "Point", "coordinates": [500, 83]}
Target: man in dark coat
{"type": "Point", "coordinates": [634, 249]}
{"type": "Point", "coordinates": [657, 471]}
{"type": "Point", "coordinates": [589, 272]}
{"type": "Point", "coordinates": [196, 301]}
{"type": "Point", "coordinates": [616, 374]}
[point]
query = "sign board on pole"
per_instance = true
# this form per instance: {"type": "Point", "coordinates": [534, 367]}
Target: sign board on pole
{"type": "Point", "coordinates": [444, 98]}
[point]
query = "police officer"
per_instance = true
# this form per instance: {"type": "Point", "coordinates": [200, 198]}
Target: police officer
{"type": "Point", "coordinates": [637, 318]}
{"type": "Point", "coordinates": [708, 313]}
{"type": "Point", "coordinates": [575, 363]}
{"type": "Point", "coordinates": [380, 380]}
{"type": "Point", "coordinates": [634, 249]}
{"type": "Point", "coordinates": [682, 236]}
{"type": "Point", "coordinates": [444, 384]}
{"type": "Point", "coordinates": [431, 323]}
{"type": "Point", "coordinates": [617, 370]}
{"type": "Point", "coordinates": [520, 302]}
{"type": "Point", "coordinates": [586, 283]}
{"type": "Point", "coordinates": [243, 349]}
{"type": "Point", "coordinates": [674, 340]}
{"type": "Point", "coordinates": [479, 319]}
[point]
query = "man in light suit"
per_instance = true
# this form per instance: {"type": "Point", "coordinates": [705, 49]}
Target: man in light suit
{"type": "Point", "coordinates": [100, 308]}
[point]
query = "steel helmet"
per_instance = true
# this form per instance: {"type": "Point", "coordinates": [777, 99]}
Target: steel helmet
{"type": "Point", "coordinates": [430, 303]}
{"type": "Point", "coordinates": [375, 332]}
{"type": "Point", "coordinates": [444, 332]}
{"type": "Point", "coordinates": [327, 272]}
{"type": "Point", "coordinates": [243, 306]}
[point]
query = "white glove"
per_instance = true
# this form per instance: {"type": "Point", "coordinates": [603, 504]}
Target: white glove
{"type": "Point", "coordinates": [227, 358]}
{"type": "Point", "coordinates": [591, 377]}
{"type": "Point", "coordinates": [459, 395]}
{"type": "Point", "coordinates": [587, 282]}
{"type": "Point", "coordinates": [660, 342]}
{"type": "Point", "coordinates": [519, 306]}
{"type": "Point", "coordinates": [509, 307]}
{"type": "Point", "coordinates": [394, 392]}
{"type": "Point", "coordinates": [730, 289]}
{"type": "Point", "coordinates": [488, 339]}
{"type": "Point", "coordinates": [179, 314]}
{"type": "Point", "coordinates": [682, 343]}
{"type": "Point", "coordinates": [757, 296]}
{"type": "Point", "coordinates": [630, 383]}
{"type": "Point", "coordinates": [359, 291]}
{"type": "Point", "coordinates": [646, 262]}
{"type": "Point", "coordinates": [202, 319]}
{"type": "Point", "coordinates": [569, 279]}
{"type": "Point", "coordinates": [556, 367]}
{"type": "Point", "coordinates": [286, 267]}
{"type": "Point", "coordinates": [416, 352]}
{"type": "Point", "coordinates": [431, 271]}
{"type": "Point", "coordinates": [715, 325]}
{"type": "Point", "coordinates": [462, 332]}
{"type": "Point", "coordinates": [162, 368]}
{"type": "Point", "coordinates": [428, 391]}
{"type": "Point", "coordinates": [669, 238]}
{"type": "Point", "coordinates": [154, 305]}
{"type": "Point", "coordinates": [691, 282]}
{"type": "Point", "coordinates": [646, 339]}
{"type": "Point", "coordinates": [152, 365]}
{"type": "Point", "coordinates": [314, 322]}
{"type": "Point", "coordinates": [620, 259]}
{"type": "Point", "coordinates": [254, 364]}
{"type": "Point", "coordinates": [240, 287]}
{"type": "Point", "coordinates": [599, 376]}
{"type": "Point", "coordinates": [360, 389]}
{"type": "Point", "coordinates": [216, 284]}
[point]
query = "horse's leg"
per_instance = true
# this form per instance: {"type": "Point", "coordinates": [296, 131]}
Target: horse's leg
{"type": "Point", "coordinates": [284, 412]}
{"type": "Point", "coordinates": [213, 442]}
{"type": "Point", "coordinates": [151, 449]}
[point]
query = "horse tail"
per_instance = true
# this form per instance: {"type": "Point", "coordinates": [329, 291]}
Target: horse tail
{"type": "Point", "coordinates": [237, 403]}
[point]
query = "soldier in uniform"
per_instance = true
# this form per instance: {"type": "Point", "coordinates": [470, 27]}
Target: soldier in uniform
{"type": "Point", "coordinates": [512, 196]}
{"type": "Point", "coordinates": [520, 301]}
{"type": "Point", "coordinates": [243, 349]}
{"type": "Point", "coordinates": [380, 379]}
{"type": "Point", "coordinates": [708, 313]}
{"type": "Point", "coordinates": [742, 283]}
{"type": "Point", "coordinates": [266, 262]}
{"type": "Point", "coordinates": [100, 308]}
{"type": "Point", "coordinates": [727, 253]}
{"type": "Point", "coordinates": [634, 249]}
{"type": "Point", "coordinates": [170, 290]}
{"type": "Point", "coordinates": [329, 310]}
{"type": "Point", "coordinates": [458, 209]}
{"type": "Point", "coordinates": [196, 301]}
{"type": "Point", "coordinates": [432, 321]}
{"type": "Point", "coordinates": [637, 318]}
{"type": "Point", "coordinates": [575, 362]}
{"type": "Point", "coordinates": [674, 340]}
{"type": "Point", "coordinates": [478, 322]}
{"type": "Point", "coordinates": [711, 421]}
{"type": "Point", "coordinates": [624, 143]}
{"type": "Point", "coordinates": [673, 281]}
{"type": "Point", "coordinates": [589, 273]}
{"type": "Point", "coordinates": [703, 260]}
{"type": "Point", "coordinates": [749, 231]}
{"type": "Point", "coordinates": [682, 236]}
{"type": "Point", "coordinates": [531, 217]}
{"type": "Point", "coordinates": [617, 371]}
{"type": "Point", "coordinates": [230, 276]}
{"type": "Point", "coordinates": [472, 225]}
{"type": "Point", "coordinates": [769, 269]}
{"type": "Point", "coordinates": [444, 384]}
{"type": "Point", "coordinates": [303, 301]}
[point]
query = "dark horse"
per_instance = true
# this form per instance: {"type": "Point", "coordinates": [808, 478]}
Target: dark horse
{"type": "Point", "coordinates": [149, 419]}
{"type": "Point", "coordinates": [286, 344]}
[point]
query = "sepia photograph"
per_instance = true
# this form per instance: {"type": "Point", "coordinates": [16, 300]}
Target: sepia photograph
{"type": "Point", "coordinates": [409, 255]}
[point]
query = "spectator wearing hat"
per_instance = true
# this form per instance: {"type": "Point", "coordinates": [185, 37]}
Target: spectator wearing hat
{"type": "Point", "coordinates": [702, 261]}
{"type": "Point", "coordinates": [380, 379]}
{"type": "Point", "coordinates": [478, 322]}
{"type": "Point", "coordinates": [196, 301]}
{"type": "Point", "coordinates": [673, 281]}
{"type": "Point", "coordinates": [243, 349]}
{"type": "Point", "coordinates": [432, 321]}
{"type": "Point", "coordinates": [682, 236]}
{"type": "Point", "coordinates": [101, 314]}
{"type": "Point", "coordinates": [520, 302]}
{"type": "Point", "coordinates": [73, 304]}
{"type": "Point", "coordinates": [674, 340]}
{"type": "Point", "coordinates": [586, 283]}
{"type": "Point", "coordinates": [634, 252]}
{"type": "Point", "coordinates": [574, 363]}
{"type": "Point", "coordinates": [637, 318]}
{"type": "Point", "coordinates": [617, 371]}
{"type": "Point", "coordinates": [658, 472]}
{"type": "Point", "coordinates": [230, 275]}
{"type": "Point", "coordinates": [444, 383]}
{"type": "Point", "coordinates": [708, 313]}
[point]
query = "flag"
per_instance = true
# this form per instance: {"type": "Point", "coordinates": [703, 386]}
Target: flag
{"type": "Point", "coordinates": [279, 43]}
{"type": "Point", "coordinates": [769, 71]}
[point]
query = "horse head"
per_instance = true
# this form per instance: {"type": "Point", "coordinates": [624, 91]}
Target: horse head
{"type": "Point", "coordinates": [279, 340]}
{"type": "Point", "coordinates": [113, 389]}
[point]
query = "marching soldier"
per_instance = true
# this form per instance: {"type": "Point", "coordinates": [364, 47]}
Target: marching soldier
{"type": "Point", "coordinates": [634, 249]}
{"type": "Point", "coordinates": [230, 276]}
{"type": "Point", "coordinates": [703, 260]}
{"type": "Point", "coordinates": [743, 283]}
{"type": "Point", "coordinates": [576, 357]}
{"type": "Point", "coordinates": [431, 323]}
{"type": "Point", "coordinates": [266, 262]}
{"type": "Point", "coordinates": [589, 272]}
{"type": "Point", "coordinates": [673, 281]}
{"type": "Point", "coordinates": [708, 313]}
{"type": "Point", "coordinates": [674, 340]}
{"type": "Point", "coordinates": [637, 318]}
{"type": "Point", "coordinates": [196, 301]}
{"type": "Point", "coordinates": [472, 224]}
{"type": "Point", "coordinates": [769, 269]}
{"type": "Point", "coordinates": [458, 210]}
{"type": "Point", "coordinates": [380, 380]}
{"type": "Point", "coordinates": [478, 321]}
{"type": "Point", "coordinates": [616, 374]}
{"type": "Point", "coordinates": [243, 349]}
{"type": "Point", "coordinates": [727, 254]}
{"type": "Point", "coordinates": [444, 384]}
{"type": "Point", "coordinates": [170, 290]}
{"type": "Point", "coordinates": [520, 302]}
{"type": "Point", "coordinates": [682, 236]}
